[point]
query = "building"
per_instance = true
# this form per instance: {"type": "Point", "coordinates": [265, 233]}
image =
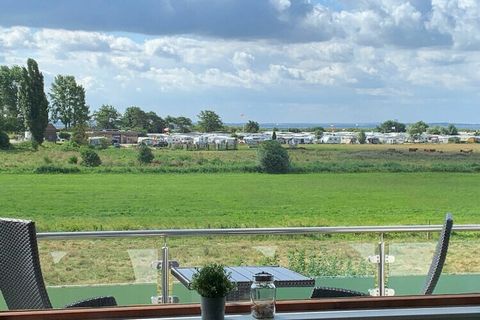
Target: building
{"type": "Point", "coordinates": [117, 136]}
{"type": "Point", "coordinates": [51, 133]}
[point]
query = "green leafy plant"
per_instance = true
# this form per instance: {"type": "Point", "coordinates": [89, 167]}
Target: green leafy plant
{"type": "Point", "coordinates": [4, 140]}
{"type": "Point", "coordinates": [212, 281]}
{"type": "Point", "coordinates": [73, 160]}
{"type": "Point", "coordinates": [313, 264]}
{"type": "Point", "coordinates": [272, 157]}
{"type": "Point", "coordinates": [55, 169]}
{"type": "Point", "coordinates": [90, 158]}
{"type": "Point", "coordinates": [145, 155]}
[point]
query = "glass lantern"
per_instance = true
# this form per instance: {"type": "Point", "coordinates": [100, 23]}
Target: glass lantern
{"type": "Point", "coordinates": [262, 294]}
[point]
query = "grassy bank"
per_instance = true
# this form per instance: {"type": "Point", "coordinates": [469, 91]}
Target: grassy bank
{"type": "Point", "coordinates": [137, 201]}
{"type": "Point", "coordinates": [52, 158]}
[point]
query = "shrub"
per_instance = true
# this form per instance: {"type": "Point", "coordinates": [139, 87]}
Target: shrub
{"type": "Point", "coordinates": [47, 160]}
{"type": "Point", "coordinates": [454, 140]}
{"type": "Point", "coordinates": [64, 135]}
{"type": "Point", "coordinates": [4, 140]}
{"type": "Point", "coordinates": [272, 157]}
{"type": "Point", "coordinates": [70, 146]}
{"type": "Point", "coordinates": [212, 281]}
{"type": "Point", "coordinates": [54, 169]}
{"type": "Point", "coordinates": [145, 155]}
{"type": "Point", "coordinates": [90, 158]}
{"type": "Point", "coordinates": [79, 136]}
{"type": "Point", "coordinates": [73, 160]}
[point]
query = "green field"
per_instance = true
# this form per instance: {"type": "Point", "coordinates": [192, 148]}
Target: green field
{"type": "Point", "coordinates": [137, 201]}
{"type": "Point", "coordinates": [305, 159]}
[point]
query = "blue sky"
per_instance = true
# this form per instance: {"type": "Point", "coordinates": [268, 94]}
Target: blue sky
{"type": "Point", "coordinates": [270, 60]}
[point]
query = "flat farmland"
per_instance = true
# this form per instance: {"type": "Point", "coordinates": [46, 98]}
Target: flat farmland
{"type": "Point", "coordinates": [305, 159]}
{"type": "Point", "coordinates": [145, 201]}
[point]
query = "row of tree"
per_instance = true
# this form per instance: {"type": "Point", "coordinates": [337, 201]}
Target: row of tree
{"type": "Point", "coordinates": [23, 103]}
{"type": "Point", "coordinates": [24, 107]}
{"type": "Point", "coordinates": [416, 129]}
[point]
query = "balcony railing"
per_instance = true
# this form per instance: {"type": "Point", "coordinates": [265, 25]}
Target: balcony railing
{"type": "Point", "coordinates": [380, 241]}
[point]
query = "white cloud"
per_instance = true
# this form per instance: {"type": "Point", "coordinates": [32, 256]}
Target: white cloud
{"type": "Point", "coordinates": [383, 49]}
{"type": "Point", "coordinates": [242, 60]}
{"type": "Point", "coordinates": [281, 5]}
{"type": "Point", "coordinates": [15, 38]}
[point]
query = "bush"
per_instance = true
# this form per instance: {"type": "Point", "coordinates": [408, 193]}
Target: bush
{"type": "Point", "coordinates": [272, 157]}
{"type": "Point", "coordinates": [54, 169]}
{"type": "Point", "coordinates": [454, 140]}
{"type": "Point", "coordinates": [4, 140]}
{"type": "Point", "coordinates": [70, 146]}
{"type": "Point", "coordinates": [64, 135]}
{"type": "Point", "coordinates": [79, 136]}
{"type": "Point", "coordinates": [212, 281]}
{"type": "Point", "coordinates": [73, 160]}
{"type": "Point", "coordinates": [90, 158]}
{"type": "Point", "coordinates": [145, 155]}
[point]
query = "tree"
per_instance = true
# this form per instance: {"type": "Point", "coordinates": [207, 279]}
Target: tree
{"type": "Point", "coordinates": [209, 121]}
{"type": "Point", "coordinates": [391, 126]}
{"type": "Point", "coordinates": [452, 130]}
{"type": "Point", "coordinates": [272, 157]}
{"type": "Point", "coordinates": [68, 102]}
{"type": "Point", "coordinates": [180, 124]}
{"type": "Point", "coordinates": [434, 130]}
{"type": "Point", "coordinates": [274, 134]}
{"type": "Point", "coordinates": [155, 124]}
{"type": "Point", "coordinates": [33, 101]}
{"type": "Point", "coordinates": [417, 128]}
{"type": "Point", "coordinates": [318, 132]}
{"type": "Point", "coordinates": [107, 117]}
{"type": "Point", "coordinates": [184, 124]}
{"type": "Point", "coordinates": [134, 118]}
{"type": "Point", "coordinates": [10, 111]}
{"type": "Point", "coordinates": [362, 137]}
{"type": "Point", "coordinates": [252, 126]}
{"type": "Point", "coordinates": [145, 155]}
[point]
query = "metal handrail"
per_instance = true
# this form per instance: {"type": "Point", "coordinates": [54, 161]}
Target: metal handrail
{"type": "Point", "coordinates": [249, 231]}
{"type": "Point", "coordinates": [166, 233]}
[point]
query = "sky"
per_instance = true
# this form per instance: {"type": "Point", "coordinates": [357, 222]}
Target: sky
{"type": "Point", "coordinates": [273, 61]}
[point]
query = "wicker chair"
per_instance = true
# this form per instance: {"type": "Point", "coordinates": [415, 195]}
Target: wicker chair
{"type": "Point", "coordinates": [432, 276]}
{"type": "Point", "coordinates": [21, 280]}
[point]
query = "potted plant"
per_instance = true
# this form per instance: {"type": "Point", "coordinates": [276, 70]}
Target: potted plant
{"type": "Point", "coordinates": [213, 284]}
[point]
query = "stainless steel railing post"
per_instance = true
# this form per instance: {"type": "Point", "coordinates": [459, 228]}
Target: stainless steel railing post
{"type": "Point", "coordinates": [165, 269]}
{"type": "Point", "coordinates": [381, 266]}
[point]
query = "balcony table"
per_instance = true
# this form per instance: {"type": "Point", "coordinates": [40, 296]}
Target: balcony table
{"type": "Point", "coordinates": [243, 276]}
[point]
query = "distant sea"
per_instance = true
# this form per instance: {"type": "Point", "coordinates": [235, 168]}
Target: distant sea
{"type": "Point", "coordinates": [300, 125]}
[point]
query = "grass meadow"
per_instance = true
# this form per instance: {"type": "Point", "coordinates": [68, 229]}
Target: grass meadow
{"type": "Point", "coordinates": [144, 201]}
{"type": "Point", "coordinates": [335, 185]}
{"type": "Point", "coordinates": [305, 159]}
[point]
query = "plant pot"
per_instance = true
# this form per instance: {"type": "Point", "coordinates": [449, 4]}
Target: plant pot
{"type": "Point", "coordinates": [213, 308]}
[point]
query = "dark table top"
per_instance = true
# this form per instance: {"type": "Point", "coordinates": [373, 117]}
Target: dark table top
{"type": "Point", "coordinates": [243, 276]}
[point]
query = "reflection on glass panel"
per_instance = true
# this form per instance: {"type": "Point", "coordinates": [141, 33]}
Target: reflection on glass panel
{"type": "Point", "coordinates": [337, 263]}
{"type": "Point", "coordinates": [78, 269]}
{"type": "Point", "coordinates": [461, 272]}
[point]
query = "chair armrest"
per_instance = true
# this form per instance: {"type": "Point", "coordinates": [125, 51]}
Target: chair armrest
{"type": "Point", "coordinates": [328, 292]}
{"type": "Point", "coordinates": [94, 302]}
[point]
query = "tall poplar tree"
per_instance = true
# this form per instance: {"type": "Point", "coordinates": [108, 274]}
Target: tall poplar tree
{"type": "Point", "coordinates": [68, 102]}
{"type": "Point", "coordinates": [33, 101]}
{"type": "Point", "coordinates": [10, 79]}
